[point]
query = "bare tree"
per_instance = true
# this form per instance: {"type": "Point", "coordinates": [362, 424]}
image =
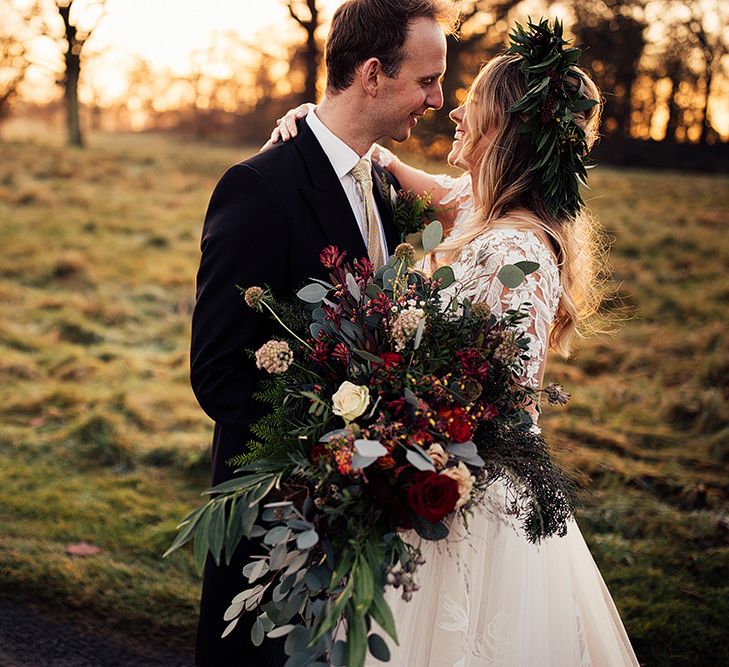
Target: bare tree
{"type": "Point", "coordinates": [613, 32]}
{"type": "Point", "coordinates": [76, 35]}
{"type": "Point", "coordinates": [306, 14]}
{"type": "Point", "coordinates": [713, 45]}
{"type": "Point", "coordinates": [16, 30]}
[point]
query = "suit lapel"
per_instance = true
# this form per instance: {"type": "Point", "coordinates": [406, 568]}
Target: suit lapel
{"type": "Point", "coordinates": [327, 198]}
{"type": "Point", "coordinates": [381, 191]}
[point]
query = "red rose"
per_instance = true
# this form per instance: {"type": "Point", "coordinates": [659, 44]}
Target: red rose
{"type": "Point", "coordinates": [459, 430]}
{"type": "Point", "coordinates": [457, 424]}
{"type": "Point", "coordinates": [473, 363]}
{"type": "Point", "coordinates": [391, 359]}
{"type": "Point", "coordinates": [318, 451]}
{"type": "Point", "coordinates": [432, 496]}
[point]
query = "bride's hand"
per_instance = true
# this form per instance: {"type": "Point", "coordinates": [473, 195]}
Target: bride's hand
{"type": "Point", "coordinates": [286, 125]}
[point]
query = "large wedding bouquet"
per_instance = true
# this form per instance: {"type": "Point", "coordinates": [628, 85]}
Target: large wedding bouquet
{"type": "Point", "coordinates": [394, 405]}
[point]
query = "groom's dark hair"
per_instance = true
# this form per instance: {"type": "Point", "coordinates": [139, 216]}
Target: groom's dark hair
{"type": "Point", "coordinates": [363, 29]}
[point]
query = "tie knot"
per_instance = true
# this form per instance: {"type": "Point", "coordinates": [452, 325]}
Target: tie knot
{"type": "Point", "coordinates": [361, 172]}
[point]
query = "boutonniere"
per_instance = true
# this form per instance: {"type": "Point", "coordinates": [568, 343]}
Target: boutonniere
{"type": "Point", "coordinates": [411, 212]}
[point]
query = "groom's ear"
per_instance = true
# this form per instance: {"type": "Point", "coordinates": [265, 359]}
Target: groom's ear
{"type": "Point", "coordinates": [370, 74]}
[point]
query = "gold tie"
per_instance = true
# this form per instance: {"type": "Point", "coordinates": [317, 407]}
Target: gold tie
{"type": "Point", "coordinates": [362, 174]}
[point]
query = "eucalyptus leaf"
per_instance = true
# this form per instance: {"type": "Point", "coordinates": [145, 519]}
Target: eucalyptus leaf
{"type": "Point", "coordinates": [432, 236]}
{"type": "Point", "coordinates": [378, 648]}
{"type": "Point", "coordinates": [418, 458]}
{"type": "Point", "coordinates": [230, 627]}
{"type": "Point", "coordinates": [527, 267]}
{"type": "Point", "coordinates": [280, 631]}
{"type": "Point", "coordinates": [307, 539]}
{"type": "Point", "coordinates": [278, 556]}
{"type": "Point", "coordinates": [428, 530]}
{"type": "Point", "coordinates": [339, 655]}
{"type": "Point", "coordinates": [312, 293]}
{"type": "Point", "coordinates": [511, 276]}
{"type": "Point", "coordinates": [353, 287]}
{"type": "Point", "coordinates": [257, 633]}
{"type": "Point", "coordinates": [297, 640]}
{"type": "Point", "coordinates": [445, 275]}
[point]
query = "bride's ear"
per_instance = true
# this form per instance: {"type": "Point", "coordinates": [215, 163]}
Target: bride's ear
{"type": "Point", "coordinates": [369, 74]}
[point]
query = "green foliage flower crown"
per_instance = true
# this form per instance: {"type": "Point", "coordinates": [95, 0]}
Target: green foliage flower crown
{"type": "Point", "coordinates": [554, 94]}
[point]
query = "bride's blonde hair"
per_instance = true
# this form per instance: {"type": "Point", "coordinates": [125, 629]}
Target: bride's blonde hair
{"type": "Point", "coordinates": [504, 187]}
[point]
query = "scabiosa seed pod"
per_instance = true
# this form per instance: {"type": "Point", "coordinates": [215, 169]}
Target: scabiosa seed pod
{"type": "Point", "coordinates": [405, 253]}
{"type": "Point", "coordinates": [253, 297]}
{"type": "Point", "coordinates": [481, 310]}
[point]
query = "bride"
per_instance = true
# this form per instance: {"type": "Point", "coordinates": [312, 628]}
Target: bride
{"type": "Point", "coordinates": [490, 597]}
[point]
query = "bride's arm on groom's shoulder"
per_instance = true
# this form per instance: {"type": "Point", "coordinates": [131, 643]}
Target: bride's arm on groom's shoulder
{"type": "Point", "coordinates": [418, 181]}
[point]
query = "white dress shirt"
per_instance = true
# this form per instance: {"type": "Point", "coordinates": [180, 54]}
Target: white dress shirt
{"type": "Point", "coordinates": [343, 159]}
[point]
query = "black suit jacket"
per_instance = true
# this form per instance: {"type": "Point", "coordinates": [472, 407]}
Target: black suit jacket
{"type": "Point", "coordinates": [268, 219]}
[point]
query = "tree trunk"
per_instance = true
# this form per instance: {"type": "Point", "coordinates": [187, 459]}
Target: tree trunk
{"type": "Point", "coordinates": [73, 70]}
{"type": "Point", "coordinates": [312, 57]}
{"type": "Point", "coordinates": [706, 128]}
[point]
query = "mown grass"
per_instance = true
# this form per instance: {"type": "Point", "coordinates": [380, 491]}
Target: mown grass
{"type": "Point", "coordinates": [102, 440]}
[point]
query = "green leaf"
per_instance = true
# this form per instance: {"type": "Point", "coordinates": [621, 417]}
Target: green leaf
{"type": "Point", "coordinates": [339, 653]}
{"type": "Point", "coordinates": [511, 276]}
{"type": "Point", "coordinates": [582, 105]}
{"type": "Point", "coordinates": [342, 568]}
{"type": "Point", "coordinates": [378, 648]}
{"type": "Point", "coordinates": [446, 275]}
{"type": "Point", "coordinates": [429, 530]}
{"type": "Point", "coordinates": [216, 531]}
{"type": "Point", "coordinates": [307, 539]}
{"type": "Point", "coordinates": [186, 530]}
{"type": "Point", "coordinates": [356, 638]}
{"type": "Point", "coordinates": [237, 483]}
{"type": "Point", "coordinates": [257, 632]}
{"type": "Point", "coordinates": [336, 607]}
{"type": "Point", "coordinates": [382, 614]}
{"type": "Point", "coordinates": [368, 356]}
{"type": "Point", "coordinates": [234, 530]}
{"type": "Point", "coordinates": [312, 293]}
{"type": "Point", "coordinates": [363, 587]}
{"type": "Point", "coordinates": [527, 267]}
{"type": "Point", "coordinates": [200, 548]}
{"type": "Point", "coordinates": [432, 236]}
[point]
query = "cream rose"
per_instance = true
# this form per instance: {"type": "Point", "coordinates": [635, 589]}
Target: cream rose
{"type": "Point", "coordinates": [463, 476]}
{"type": "Point", "coordinates": [438, 455]}
{"type": "Point", "coordinates": [350, 401]}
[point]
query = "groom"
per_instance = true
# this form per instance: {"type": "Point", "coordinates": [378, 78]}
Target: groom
{"type": "Point", "coordinates": [267, 222]}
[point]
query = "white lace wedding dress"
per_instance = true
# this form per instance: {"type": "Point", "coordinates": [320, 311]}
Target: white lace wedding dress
{"type": "Point", "coordinates": [488, 596]}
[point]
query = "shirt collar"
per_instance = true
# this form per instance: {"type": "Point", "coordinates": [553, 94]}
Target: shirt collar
{"type": "Point", "coordinates": [342, 157]}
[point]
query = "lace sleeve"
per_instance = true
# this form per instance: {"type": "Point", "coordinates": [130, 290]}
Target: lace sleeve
{"type": "Point", "coordinates": [540, 291]}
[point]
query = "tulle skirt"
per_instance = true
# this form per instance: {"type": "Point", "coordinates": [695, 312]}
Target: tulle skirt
{"type": "Point", "coordinates": [489, 597]}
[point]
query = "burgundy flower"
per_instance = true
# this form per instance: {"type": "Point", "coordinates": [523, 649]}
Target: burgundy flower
{"type": "Point", "coordinates": [331, 257]}
{"type": "Point", "coordinates": [391, 360]}
{"type": "Point", "coordinates": [473, 363]}
{"type": "Point", "coordinates": [334, 313]}
{"type": "Point", "coordinates": [380, 304]}
{"type": "Point", "coordinates": [364, 269]}
{"type": "Point", "coordinates": [320, 353]}
{"type": "Point", "coordinates": [342, 353]}
{"type": "Point", "coordinates": [432, 496]}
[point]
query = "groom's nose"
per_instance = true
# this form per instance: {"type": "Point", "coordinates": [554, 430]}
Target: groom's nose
{"type": "Point", "coordinates": [435, 98]}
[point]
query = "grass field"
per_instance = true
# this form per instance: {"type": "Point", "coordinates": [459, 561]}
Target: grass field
{"type": "Point", "coordinates": [102, 440]}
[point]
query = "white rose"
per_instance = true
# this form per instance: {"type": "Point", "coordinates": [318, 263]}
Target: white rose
{"type": "Point", "coordinates": [350, 401]}
{"type": "Point", "coordinates": [438, 455]}
{"type": "Point", "coordinates": [465, 481]}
